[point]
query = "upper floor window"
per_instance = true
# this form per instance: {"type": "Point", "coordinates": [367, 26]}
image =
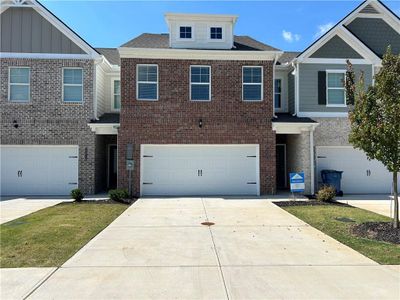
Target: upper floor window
{"type": "Point", "coordinates": [185, 32]}
{"type": "Point", "coordinates": [335, 88]}
{"type": "Point", "coordinates": [116, 105]}
{"type": "Point", "coordinates": [252, 83]}
{"type": "Point", "coordinates": [147, 82]}
{"type": "Point", "coordinates": [278, 93]}
{"type": "Point", "coordinates": [19, 84]}
{"type": "Point", "coordinates": [200, 83]}
{"type": "Point", "coordinates": [72, 85]}
{"type": "Point", "coordinates": [216, 33]}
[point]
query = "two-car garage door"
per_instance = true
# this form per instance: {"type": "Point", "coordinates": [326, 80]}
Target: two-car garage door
{"type": "Point", "coordinates": [360, 176]}
{"type": "Point", "coordinates": [199, 170]}
{"type": "Point", "coordinates": [38, 170]}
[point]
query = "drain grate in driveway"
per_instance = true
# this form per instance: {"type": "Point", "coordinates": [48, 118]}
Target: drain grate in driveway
{"type": "Point", "coordinates": [208, 223]}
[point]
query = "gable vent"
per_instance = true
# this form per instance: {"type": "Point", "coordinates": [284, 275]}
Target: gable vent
{"type": "Point", "coordinates": [369, 9]}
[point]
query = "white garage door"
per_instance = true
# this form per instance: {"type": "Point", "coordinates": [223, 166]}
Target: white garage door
{"type": "Point", "coordinates": [38, 170]}
{"type": "Point", "coordinates": [200, 170]}
{"type": "Point", "coordinates": [360, 176]}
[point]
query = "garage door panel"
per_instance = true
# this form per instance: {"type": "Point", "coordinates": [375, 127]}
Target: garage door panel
{"type": "Point", "coordinates": [174, 170]}
{"type": "Point", "coordinates": [46, 170]}
{"type": "Point", "coordinates": [360, 176]}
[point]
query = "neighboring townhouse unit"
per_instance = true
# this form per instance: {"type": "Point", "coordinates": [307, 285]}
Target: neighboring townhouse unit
{"type": "Point", "coordinates": [53, 84]}
{"type": "Point", "coordinates": [197, 106]}
{"type": "Point", "coordinates": [315, 80]}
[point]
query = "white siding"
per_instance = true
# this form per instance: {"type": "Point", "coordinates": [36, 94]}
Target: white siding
{"type": "Point", "coordinates": [104, 90]}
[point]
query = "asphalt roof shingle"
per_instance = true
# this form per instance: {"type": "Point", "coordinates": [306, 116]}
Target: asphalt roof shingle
{"type": "Point", "coordinates": [111, 54]}
{"type": "Point", "coordinates": [287, 57]}
{"type": "Point", "coordinates": [161, 41]}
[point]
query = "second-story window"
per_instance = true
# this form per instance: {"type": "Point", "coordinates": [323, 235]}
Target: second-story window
{"type": "Point", "coordinates": [200, 83]}
{"type": "Point", "coordinates": [335, 88]}
{"type": "Point", "coordinates": [252, 83]}
{"type": "Point", "coordinates": [116, 95]}
{"type": "Point", "coordinates": [147, 82]}
{"type": "Point", "coordinates": [19, 84]}
{"type": "Point", "coordinates": [72, 85]}
{"type": "Point", "coordinates": [216, 33]}
{"type": "Point", "coordinates": [185, 32]}
{"type": "Point", "coordinates": [278, 93]}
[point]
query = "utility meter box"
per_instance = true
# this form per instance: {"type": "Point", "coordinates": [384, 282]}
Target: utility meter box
{"type": "Point", "coordinates": [130, 164]}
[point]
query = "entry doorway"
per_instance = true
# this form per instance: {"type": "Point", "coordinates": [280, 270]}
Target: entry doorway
{"type": "Point", "coordinates": [281, 170]}
{"type": "Point", "coordinates": [112, 172]}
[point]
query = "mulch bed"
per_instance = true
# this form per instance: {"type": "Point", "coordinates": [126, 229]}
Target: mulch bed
{"type": "Point", "coordinates": [380, 231]}
{"type": "Point", "coordinates": [308, 203]}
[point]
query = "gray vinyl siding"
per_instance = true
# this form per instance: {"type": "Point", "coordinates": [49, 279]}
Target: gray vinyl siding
{"type": "Point", "coordinates": [308, 85]}
{"type": "Point", "coordinates": [376, 34]}
{"type": "Point", "coordinates": [23, 30]}
{"type": "Point", "coordinates": [336, 48]}
{"type": "Point", "coordinates": [291, 92]}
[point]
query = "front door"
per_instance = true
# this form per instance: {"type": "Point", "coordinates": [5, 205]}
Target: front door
{"type": "Point", "coordinates": [281, 166]}
{"type": "Point", "coordinates": [112, 167]}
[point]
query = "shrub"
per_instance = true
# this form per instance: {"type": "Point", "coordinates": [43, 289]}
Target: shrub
{"type": "Point", "coordinates": [326, 193]}
{"type": "Point", "coordinates": [119, 195]}
{"type": "Point", "coordinates": [77, 195]}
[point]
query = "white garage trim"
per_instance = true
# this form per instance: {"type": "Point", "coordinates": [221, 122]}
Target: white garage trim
{"type": "Point", "coordinates": [256, 147]}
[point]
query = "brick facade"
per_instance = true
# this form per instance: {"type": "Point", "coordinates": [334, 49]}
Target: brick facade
{"type": "Point", "coordinates": [46, 119]}
{"type": "Point", "coordinates": [173, 119]}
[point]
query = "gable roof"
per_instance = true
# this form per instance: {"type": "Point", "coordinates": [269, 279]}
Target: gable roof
{"type": "Point", "coordinates": [161, 41]}
{"type": "Point", "coordinates": [111, 54]}
{"type": "Point", "coordinates": [340, 28]}
{"type": "Point", "coordinates": [54, 20]}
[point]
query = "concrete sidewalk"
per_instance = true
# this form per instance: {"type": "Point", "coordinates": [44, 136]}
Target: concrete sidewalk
{"type": "Point", "coordinates": [380, 204]}
{"type": "Point", "coordinates": [158, 249]}
{"type": "Point", "coordinates": [14, 208]}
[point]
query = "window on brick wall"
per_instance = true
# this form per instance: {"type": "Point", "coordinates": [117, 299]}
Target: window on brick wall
{"type": "Point", "coordinates": [200, 83]}
{"type": "Point", "coordinates": [19, 84]}
{"type": "Point", "coordinates": [72, 85]}
{"type": "Point", "coordinates": [252, 83]}
{"type": "Point", "coordinates": [147, 82]}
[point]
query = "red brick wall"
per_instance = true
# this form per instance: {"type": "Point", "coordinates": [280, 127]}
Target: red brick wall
{"type": "Point", "coordinates": [174, 119]}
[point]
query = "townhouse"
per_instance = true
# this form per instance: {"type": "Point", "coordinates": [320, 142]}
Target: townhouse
{"type": "Point", "coordinates": [196, 111]}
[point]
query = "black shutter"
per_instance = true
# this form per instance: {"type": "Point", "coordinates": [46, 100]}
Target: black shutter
{"type": "Point", "coordinates": [322, 88]}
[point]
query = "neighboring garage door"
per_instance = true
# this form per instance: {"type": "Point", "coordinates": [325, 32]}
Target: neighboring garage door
{"type": "Point", "coordinates": [200, 170]}
{"type": "Point", "coordinates": [38, 170]}
{"type": "Point", "coordinates": [360, 176]}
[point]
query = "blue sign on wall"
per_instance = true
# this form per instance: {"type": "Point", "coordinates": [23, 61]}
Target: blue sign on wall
{"type": "Point", "coordinates": [297, 182]}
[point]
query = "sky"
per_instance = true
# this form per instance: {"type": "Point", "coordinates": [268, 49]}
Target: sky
{"type": "Point", "coordinates": [287, 25]}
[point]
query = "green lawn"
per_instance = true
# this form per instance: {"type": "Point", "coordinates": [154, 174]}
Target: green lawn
{"type": "Point", "coordinates": [49, 237]}
{"type": "Point", "coordinates": [323, 218]}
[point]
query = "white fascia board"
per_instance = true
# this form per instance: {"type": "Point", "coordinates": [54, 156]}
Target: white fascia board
{"type": "Point", "coordinates": [323, 114]}
{"type": "Point", "coordinates": [339, 61]}
{"type": "Point", "coordinates": [104, 129]}
{"type": "Point", "coordinates": [200, 17]}
{"type": "Point", "coordinates": [188, 54]}
{"type": "Point", "coordinates": [44, 55]}
{"type": "Point", "coordinates": [292, 128]}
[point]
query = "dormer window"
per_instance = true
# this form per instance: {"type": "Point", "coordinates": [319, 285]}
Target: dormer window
{"type": "Point", "coordinates": [185, 32]}
{"type": "Point", "coordinates": [216, 33]}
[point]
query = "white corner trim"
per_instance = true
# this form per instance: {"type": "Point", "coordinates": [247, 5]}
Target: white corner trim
{"type": "Point", "coordinates": [189, 54]}
{"type": "Point", "coordinates": [44, 55]}
{"type": "Point", "coordinates": [323, 114]}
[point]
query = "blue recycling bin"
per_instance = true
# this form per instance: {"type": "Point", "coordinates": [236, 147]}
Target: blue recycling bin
{"type": "Point", "coordinates": [332, 178]}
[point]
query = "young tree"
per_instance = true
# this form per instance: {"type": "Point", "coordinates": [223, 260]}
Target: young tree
{"type": "Point", "coordinates": [375, 117]}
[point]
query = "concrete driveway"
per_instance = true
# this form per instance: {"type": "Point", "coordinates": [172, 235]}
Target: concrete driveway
{"type": "Point", "coordinates": [14, 208]}
{"type": "Point", "coordinates": [158, 249]}
{"type": "Point", "coordinates": [380, 204]}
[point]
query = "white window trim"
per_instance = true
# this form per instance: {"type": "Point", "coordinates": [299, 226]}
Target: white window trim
{"type": "Point", "coordinates": [23, 84]}
{"type": "Point", "coordinates": [137, 81]}
{"type": "Point", "coordinates": [199, 83]}
{"type": "Point", "coordinates": [71, 84]}
{"type": "Point", "coordinates": [335, 88]}
{"type": "Point", "coordinates": [178, 31]}
{"type": "Point", "coordinates": [280, 108]}
{"type": "Point", "coordinates": [262, 83]}
{"type": "Point", "coordinates": [112, 93]}
{"type": "Point", "coordinates": [209, 33]}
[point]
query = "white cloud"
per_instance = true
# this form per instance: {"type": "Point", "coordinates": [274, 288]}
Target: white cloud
{"type": "Point", "coordinates": [290, 37]}
{"type": "Point", "coordinates": [323, 28]}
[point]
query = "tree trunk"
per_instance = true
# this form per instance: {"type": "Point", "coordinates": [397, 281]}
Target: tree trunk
{"type": "Point", "coordinates": [396, 202]}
